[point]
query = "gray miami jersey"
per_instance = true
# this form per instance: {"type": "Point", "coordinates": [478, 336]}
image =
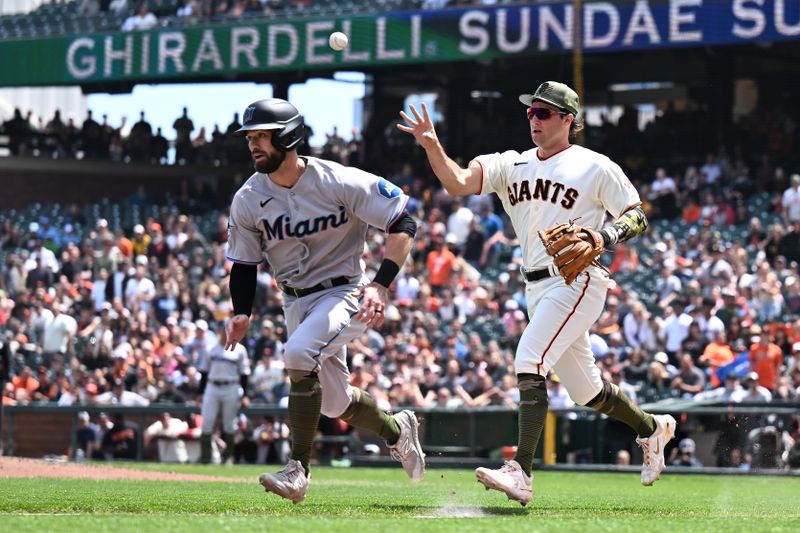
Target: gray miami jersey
{"type": "Point", "coordinates": [226, 365]}
{"type": "Point", "coordinates": [315, 230]}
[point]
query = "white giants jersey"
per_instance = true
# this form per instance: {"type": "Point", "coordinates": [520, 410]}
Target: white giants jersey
{"type": "Point", "coordinates": [575, 183]}
{"type": "Point", "coordinates": [315, 230]}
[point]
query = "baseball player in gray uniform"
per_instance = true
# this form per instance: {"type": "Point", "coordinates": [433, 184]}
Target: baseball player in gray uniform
{"type": "Point", "coordinates": [223, 371]}
{"type": "Point", "coordinates": [543, 188]}
{"type": "Point", "coordinates": [309, 218]}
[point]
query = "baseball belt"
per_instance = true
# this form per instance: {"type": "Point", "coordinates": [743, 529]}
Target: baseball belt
{"type": "Point", "coordinates": [299, 293]}
{"type": "Point", "coordinates": [538, 274]}
{"type": "Point", "coordinates": [219, 383]}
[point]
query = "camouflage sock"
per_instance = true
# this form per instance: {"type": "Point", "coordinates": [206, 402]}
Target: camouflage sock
{"type": "Point", "coordinates": [613, 402]}
{"type": "Point", "coordinates": [532, 413]}
{"type": "Point", "coordinates": [363, 412]}
{"type": "Point", "coordinates": [305, 402]}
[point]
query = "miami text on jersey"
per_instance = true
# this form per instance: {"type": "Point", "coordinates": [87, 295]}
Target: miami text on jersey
{"type": "Point", "coordinates": [282, 226]}
{"type": "Point", "coordinates": [542, 190]}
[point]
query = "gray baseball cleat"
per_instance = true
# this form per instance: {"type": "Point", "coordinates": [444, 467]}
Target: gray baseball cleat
{"type": "Point", "coordinates": [290, 483]}
{"type": "Point", "coordinates": [407, 449]}
{"type": "Point", "coordinates": [509, 479]}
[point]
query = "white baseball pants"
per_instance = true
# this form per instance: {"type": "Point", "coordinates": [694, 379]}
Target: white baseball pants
{"type": "Point", "coordinates": [557, 336]}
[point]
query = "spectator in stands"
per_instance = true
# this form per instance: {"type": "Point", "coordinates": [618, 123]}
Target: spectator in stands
{"type": "Point", "coordinates": [168, 392]}
{"type": "Point", "coordinates": [188, 8]}
{"type": "Point", "coordinates": [142, 20]}
{"type": "Point", "coordinates": [557, 394]}
{"type": "Point", "coordinates": [637, 328]}
{"type": "Point", "coordinates": [731, 391]}
{"type": "Point", "coordinates": [664, 195]}
{"type": "Point", "coordinates": [440, 262]}
{"type": "Point", "coordinates": [789, 245]}
{"type": "Point", "coordinates": [184, 151]}
{"type": "Point", "coordinates": [272, 441]}
{"type": "Point", "coordinates": [674, 328]}
{"type": "Point", "coordinates": [122, 440]}
{"type": "Point", "coordinates": [91, 133]}
{"type": "Point", "coordinates": [717, 354]}
{"type": "Point", "coordinates": [87, 438]}
{"type": "Point", "coordinates": [119, 396]}
{"type": "Point", "coordinates": [24, 385]}
{"type": "Point", "coordinates": [766, 359]}
{"type": "Point", "coordinates": [690, 379]}
{"type": "Point", "coordinates": [668, 285]}
{"type": "Point", "coordinates": [790, 202]}
{"type": "Point", "coordinates": [159, 148]}
{"type": "Point", "coordinates": [683, 455]}
{"type": "Point", "coordinates": [118, 7]}
{"type": "Point", "coordinates": [167, 432]}
{"type": "Point", "coordinates": [59, 334]}
{"type": "Point", "coordinates": [753, 392]}
{"type": "Point", "coordinates": [623, 458]}
{"type": "Point", "coordinates": [140, 289]}
{"type": "Point", "coordinates": [17, 128]}
{"type": "Point", "coordinates": [792, 455]}
{"type": "Point", "coordinates": [711, 171]}
{"type": "Point", "coordinates": [767, 444]}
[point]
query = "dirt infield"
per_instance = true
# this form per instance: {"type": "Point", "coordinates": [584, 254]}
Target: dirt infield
{"type": "Point", "coordinates": [21, 467]}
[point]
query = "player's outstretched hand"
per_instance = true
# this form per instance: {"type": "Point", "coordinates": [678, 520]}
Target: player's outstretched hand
{"type": "Point", "coordinates": [421, 127]}
{"type": "Point", "coordinates": [235, 330]}
{"type": "Point", "coordinates": [374, 299]}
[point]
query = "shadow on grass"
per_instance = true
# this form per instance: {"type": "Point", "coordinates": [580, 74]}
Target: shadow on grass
{"type": "Point", "coordinates": [506, 511]}
{"type": "Point", "coordinates": [449, 511]}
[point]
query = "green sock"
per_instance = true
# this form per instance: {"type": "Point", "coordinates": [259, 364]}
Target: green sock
{"type": "Point", "coordinates": [305, 402]}
{"type": "Point", "coordinates": [613, 402]}
{"type": "Point", "coordinates": [363, 412]}
{"type": "Point", "coordinates": [532, 413]}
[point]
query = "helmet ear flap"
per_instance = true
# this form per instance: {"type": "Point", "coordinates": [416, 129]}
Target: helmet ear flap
{"type": "Point", "coordinates": [290, 136]}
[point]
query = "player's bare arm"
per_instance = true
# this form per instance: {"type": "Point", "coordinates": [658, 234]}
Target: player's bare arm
{"type": "Point", "coordinates": [630, 224]}
{"type": "Point", "coordinates": [375, 295]}
{"type": "Point", "coordinates": [456, 180]}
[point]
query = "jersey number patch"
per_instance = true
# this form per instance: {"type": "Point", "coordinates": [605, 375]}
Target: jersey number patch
{"type": "Point", "coordinates": [387, 190]}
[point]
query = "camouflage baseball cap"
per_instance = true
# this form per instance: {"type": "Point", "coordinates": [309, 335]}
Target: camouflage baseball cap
{"type": "Point", "coordinates": [554, 93]}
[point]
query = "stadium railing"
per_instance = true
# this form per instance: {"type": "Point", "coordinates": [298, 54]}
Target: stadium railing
{"type": "Point", "coordinates": [572, 436]}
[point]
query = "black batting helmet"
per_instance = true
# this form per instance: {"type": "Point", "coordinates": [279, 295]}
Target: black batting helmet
{"type": "Point", "coordinates": [275, 114]}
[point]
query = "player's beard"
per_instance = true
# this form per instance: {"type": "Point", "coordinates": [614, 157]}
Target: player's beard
{"type": "Point", "coordinates": [270, 163]}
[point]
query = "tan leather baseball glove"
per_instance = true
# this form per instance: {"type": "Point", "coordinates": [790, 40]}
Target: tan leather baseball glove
{"type": "Point", "coordinates": [573, 248]}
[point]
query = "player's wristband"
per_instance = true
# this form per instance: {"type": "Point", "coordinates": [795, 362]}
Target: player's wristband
{"type": "Point", "coordinates": [610, 236]}
{"type": "Point", "coordinates": [386, 273]}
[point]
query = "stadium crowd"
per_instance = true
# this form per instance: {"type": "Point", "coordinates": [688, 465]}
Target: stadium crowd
{"type": "Point", "coordinates": [707, 304]}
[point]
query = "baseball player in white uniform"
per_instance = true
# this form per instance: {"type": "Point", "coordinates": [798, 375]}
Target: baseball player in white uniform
{"type": "Point", "coordinates": [555, 182]}
{"type": "Point", "coordinates": [309, 218]}
{"type": "Point", "coordinates": [222, 373]}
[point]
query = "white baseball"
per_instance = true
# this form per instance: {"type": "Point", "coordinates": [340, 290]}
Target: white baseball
{"type": "Point", "coordinates": [338, 41]}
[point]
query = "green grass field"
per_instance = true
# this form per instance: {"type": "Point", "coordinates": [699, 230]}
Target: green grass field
{"type": "Point", "coordinates": [366, 500]}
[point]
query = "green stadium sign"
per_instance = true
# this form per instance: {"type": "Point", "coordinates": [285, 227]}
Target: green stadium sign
{"type": "Point", "coordinates": [244, 49]}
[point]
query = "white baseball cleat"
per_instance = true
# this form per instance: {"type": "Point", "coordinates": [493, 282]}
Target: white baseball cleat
{"type": "Point", "coordinates": [653, 448]}
{"type": "Point", "coordinates": [407, 449]}
{"type": "Point", "coordinates": [509, 479]}
{"type": "Point", "coordinates": [290, 483]}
